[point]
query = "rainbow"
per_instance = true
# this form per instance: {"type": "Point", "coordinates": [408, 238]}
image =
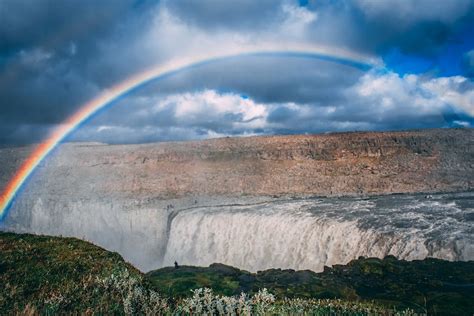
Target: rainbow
{"type": "Point", "coordinates": [107, 97]}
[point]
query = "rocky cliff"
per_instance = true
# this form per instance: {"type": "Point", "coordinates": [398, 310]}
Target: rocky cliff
{"type": "Point", "coordinates": [332, 164]}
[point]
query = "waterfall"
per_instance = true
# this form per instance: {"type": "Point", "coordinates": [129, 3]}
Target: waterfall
{"type": "Point", "coordinates": [258, 234]}
{"type": "Point", "coordinates": [290, 235]}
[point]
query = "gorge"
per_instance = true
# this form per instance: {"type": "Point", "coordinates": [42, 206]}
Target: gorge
{"type": "Point", "coordinates": [299, 202]}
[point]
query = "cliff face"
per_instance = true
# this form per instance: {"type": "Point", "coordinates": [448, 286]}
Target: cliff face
{"type": "Point", "coordinates": [333, 164]}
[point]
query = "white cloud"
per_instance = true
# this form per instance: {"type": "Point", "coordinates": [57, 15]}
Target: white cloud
{"type": "Point", "coordinates": [462, 123]}
{"type": "Point", "coordinates": [34, 57]}
{"type": "Point", "coordinates": [391, 94]}
{"type": "Point", "coordinates": [208, 105]}
{"type": "Point", "coordinates": [297, 20]}
{"type": "Point", "coordinates": [450, 90]}
{"type": "Point", "coordinates": [170, 36]}
{"type": "Point", "coordinates": [378, 100]}
{"type": "Point", "coordinates": [104, 128]}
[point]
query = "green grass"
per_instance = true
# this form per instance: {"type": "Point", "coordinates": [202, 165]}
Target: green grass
{"type": "Point", "coordinates": [50, 275]}
{"type": "Point", "coordinates": [430, 285]}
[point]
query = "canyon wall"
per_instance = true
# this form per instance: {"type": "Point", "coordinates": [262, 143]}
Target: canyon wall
{"type": "Point", "coordinates": [334, 164]}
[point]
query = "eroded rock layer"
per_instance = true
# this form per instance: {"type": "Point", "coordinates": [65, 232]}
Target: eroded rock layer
{"type": "Point", "coordinates": [333, 164]}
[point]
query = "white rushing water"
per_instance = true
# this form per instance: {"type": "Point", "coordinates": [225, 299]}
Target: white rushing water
{"type": "Point", "coordinates": [256, 235]}
{"type": "Point", "coordinates": [309, 234]}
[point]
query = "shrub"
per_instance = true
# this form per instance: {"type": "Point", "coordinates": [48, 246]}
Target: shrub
{"type": "Point", "coordinates": [204, 302]}
{"type": "Point", "coordinates": [136, 298]}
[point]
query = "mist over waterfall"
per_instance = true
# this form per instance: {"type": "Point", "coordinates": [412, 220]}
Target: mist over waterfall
{"type": "Point", "coordinates": [260, 233]}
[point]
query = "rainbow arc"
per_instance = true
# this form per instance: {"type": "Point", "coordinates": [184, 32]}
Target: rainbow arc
{"type": "Point", "coordinates": [106, 98]}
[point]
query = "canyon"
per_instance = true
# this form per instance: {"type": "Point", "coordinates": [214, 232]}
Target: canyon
{"type": "Point", "coordinates": [300, 202]}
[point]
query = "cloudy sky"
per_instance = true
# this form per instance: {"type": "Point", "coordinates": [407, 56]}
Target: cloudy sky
{"type": "Point", "coordinates": [55, 55]}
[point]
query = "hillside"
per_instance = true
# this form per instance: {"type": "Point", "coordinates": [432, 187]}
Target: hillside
{"type": "Point", "coordinates": [436, 286]}
{"type": "Point", "coordinates": [50, 275]}
{"type": "Point", "coordinates": [334, 164]}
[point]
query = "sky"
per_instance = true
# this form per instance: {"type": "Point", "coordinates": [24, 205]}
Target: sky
{"type": "Point", "coordinates": [55, 55]}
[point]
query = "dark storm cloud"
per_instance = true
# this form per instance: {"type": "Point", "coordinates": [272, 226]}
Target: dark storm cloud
{"type": "Point", "coordinates": [420, 26]}
{"type": "Point", "coordinates": [47, 51]}
{"type": "Point", "coordinates": [35, 22]}
{"type": "Point", "coordinates": [266, 79]}
{"type": "Point", "coordinates": [239, 15]}
{"type": "Point", "coordinates": [414, 26]}
{"type": "Point", "coordinates": [56, 55]}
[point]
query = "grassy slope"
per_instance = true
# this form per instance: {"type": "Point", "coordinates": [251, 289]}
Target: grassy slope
{"type": "Point", "coordinates": [51, 274]}
{"type": "Point", "coordinates": [439, 286]}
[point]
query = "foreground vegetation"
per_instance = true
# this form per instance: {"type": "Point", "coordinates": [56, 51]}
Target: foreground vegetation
{"type": "Point", "coordinates": [428, 286]}
{"type": "Point", "coordinates": [51, 275]}
{"type": "Point", "coordinates": [48, 275]}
